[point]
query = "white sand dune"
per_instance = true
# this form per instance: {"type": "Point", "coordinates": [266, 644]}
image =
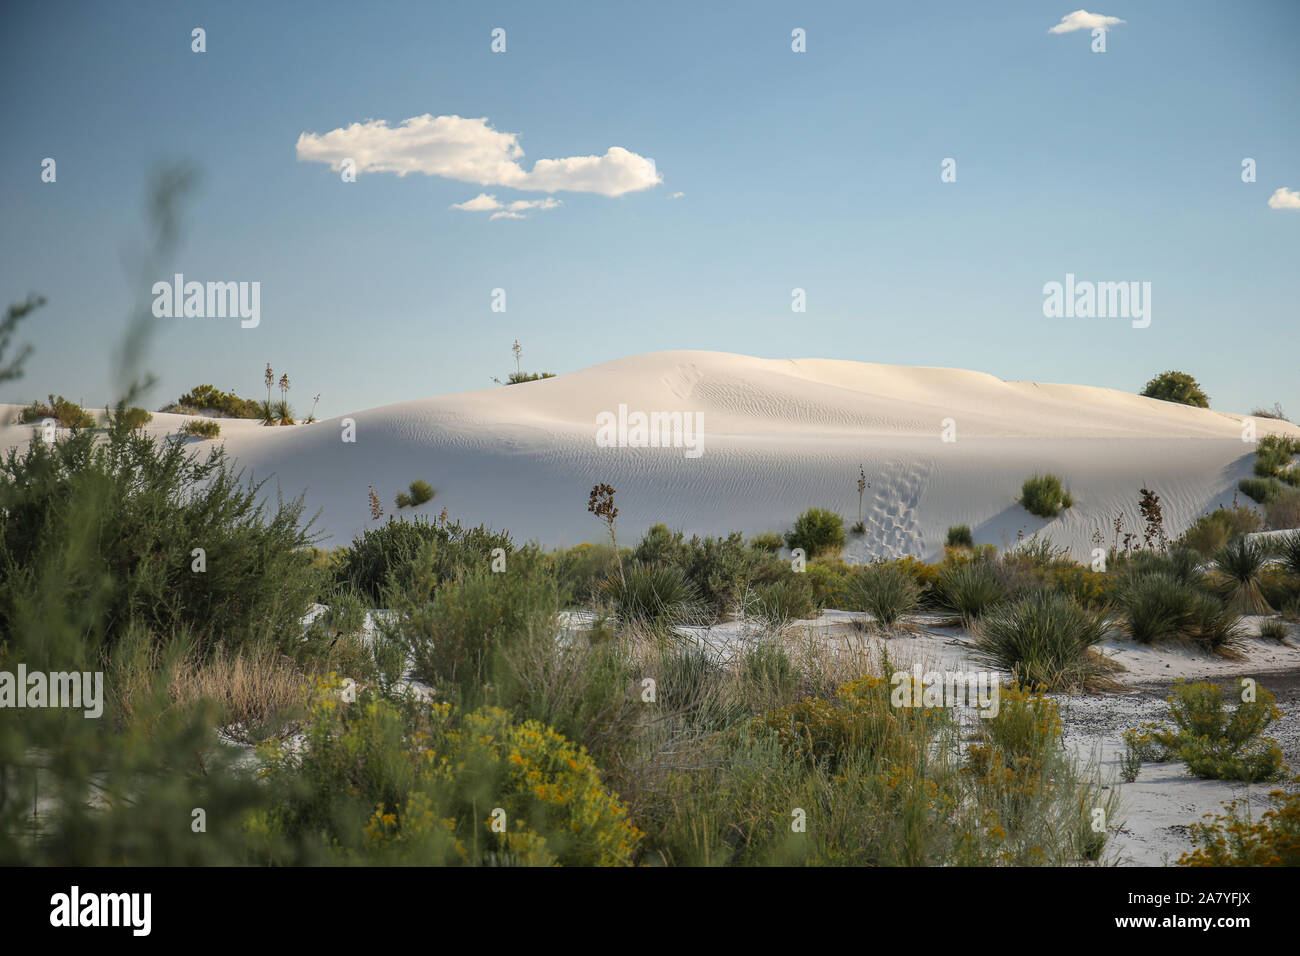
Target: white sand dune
{"type": "Point", "coordinates": [778, 436]}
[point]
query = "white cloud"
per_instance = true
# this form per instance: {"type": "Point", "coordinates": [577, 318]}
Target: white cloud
{"type": "Point", "coordinates": [1284, 198]}
{"type": "Point", "coordinates": [480, 203]}
{"type": "Point", "coordinates": [677, 195]}
{"type": "Point", "coordinates": [514, 210]}
{"type": "Point", "coordinates": [471, 151]}
{"type": "Point", "coordinates": [1083, 20]}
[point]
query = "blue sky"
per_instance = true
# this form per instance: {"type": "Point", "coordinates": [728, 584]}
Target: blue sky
{"type": "Point", "coordinates": [817, 170]}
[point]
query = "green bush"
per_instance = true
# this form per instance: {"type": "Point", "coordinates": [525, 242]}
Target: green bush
{"type": "Point", "coordinates": [582, 569]}
{"type": "Point", "coordinates": [959, 536]}
{"type": "Point", "coordinates": [817, 530]}
{"type": "Point", "coordinates": [66, 413]}
{"type": "Point", "coordinates": [141, 507]}
{"type": "Point", "coordinates": [212, 400]}
{"type": "Point", "coordinates": [1212, 531]}
{"type": "Point", "coordinates": [767, 541]}
{"type": "Point", "coordinates": [460, 635]}
{"type": "Point", "coordinates": [1261, 490]}
{"type": "Point", "coordinates": [1177, 387]}
{"type": "Point", "coordinates": [132, 417]}
{"type": "Point", "coordinates": [1214, 742]}
{"type": "Point", "coordinates": [1283, 512]}
{"type": "Point", "coordinates": [201, 428]}
{"type": "Point", "coordinates": [1043, 639]}
{"type": "Point", "coordinates": [887, 591]}
{"type": "Point", "coordinates": [783, 601]}
{"type": "Point", "coordinates": [419, 492]}
{"type": "Point", "coordinates": [1274, 630]}
{"type": "Point", "coordinates": [1043, 495]}
{"type": "Point", "coordinates": [1157, 607]}
{"type": "Point", "coordinates": [655, 595]}
{"type": "Point", "coordinates": [365, 564]}
{"type": "Point", "coordinates": [1273, 455]}
{"type": "Point", "coordinates": [660, 545]}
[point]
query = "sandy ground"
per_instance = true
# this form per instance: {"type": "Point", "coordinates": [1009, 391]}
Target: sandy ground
{"type": "Point", "coordinates": [778, 436]}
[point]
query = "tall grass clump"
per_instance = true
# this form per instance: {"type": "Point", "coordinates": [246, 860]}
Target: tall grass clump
{"type": "Point", "coordinates": [887, 591]}
{"type": "Point", "coordinates": [970, 588]}
{"type": "Point", "coordinates": [1044, 639]}
{"type": "Point", "coordinates": [655, 595]}
{"type": "Point", "coordinates": [1158, 607]}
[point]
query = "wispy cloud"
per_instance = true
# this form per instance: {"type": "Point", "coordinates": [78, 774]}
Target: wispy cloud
{"type": "Point", "coordinates": [1083, 20]}
{"type": "Point", "coordinates": [1284, 198]}
{"type": "Point", "coordinates": [514, 210]}
{"type": "Point", "coordinates": [471, 151]}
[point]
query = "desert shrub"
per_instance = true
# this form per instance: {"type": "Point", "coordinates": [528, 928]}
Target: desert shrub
{"type": "Point", "coordinates": [959, 536]}
{"type": "Point", "coordinates": [829, 581]}
{"type": "Point", "coordinates": [1177, 387]}
{"type": "Point", "coordinates": [816, 530]}
{"type": "Point", "coordinates": [1214, 742]}
{"type": "Point", "coordinates": [970, 588]}
{"type": "Point", "coordinates": [1044, 496]}
{"type": "Point", "coordinates": [721, 569]}
{"type": "Point", "coordinates": [783, 601]}
{"type": "Point", "coordinates": [141, 506]}
{"type": "Point", "coordinates": [1261, 490]}
{"type": "Point", "coordinates": [1288, 550]}
{"type": "Point", "coordinates": [1088, 588]}
{"type": "Point", "coordinates": [925, 575]}
{"type": "Point", "coordinates": [1274, 629]}
{"type": "Point", "coordinates": [1273, 455]}
{"type": "Point", "coordinates": [660, 545]}
{"type": "Point", "coordinates": [769, 542]}
{"type": "Point", "coordinates": [1180, 563]}
{"type": "Point", "coordinates": [134, 417]}
{"type": "Point", "coordinates": [1157, 607]}
{"type": "Point", "coordinates": [420, 491]}
{"type": "Point", "coordinates": [655, 595]}
{"type": "Point", "coordinates": [516, 378]}
{"type": "Point", "coordinates": [212, 400]}
{"type": "Point", "coordinates": [460, 635]}
{"type": "Point", "coordinates": [1233, 839]}
{"type": "Point", "coordinates": [1043, 639]}
{"type": "Point", "coordinates": [1212, 531]}
{"type": "Point", "coordinates": [67, 413]}
{"type": "Point", "coordinates": [887, 591]}
{"type": "Point", "coordinates": [365, 564]}
{"type": "Point", "coordinates": [376, 785]}
{"type": "Point", "coordinates": [861, 718]}
{"type": "Point", "coordinates": [1283, 512]}
{"type": "Point", "coordinates": [283, 413]}
{"type": "Point", "coordinates": [201, 428]}
{"type": "Point", "coordinates": [1238, 564]}
{"type": "Point", "coordinates": [582, 569]}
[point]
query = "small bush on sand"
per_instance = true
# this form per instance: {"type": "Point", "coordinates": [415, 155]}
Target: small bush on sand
{"type": "Point", "coordinates": [68, 414]}
{"type": "Point", "coordinates": [970, 588]}
{"type": "Point", "coordinates": [1157, 607]}
{"type": "Point", "coordinates": [420, 491]}
{"type": "Point", "coordinates": [654, 595]}
{"type": "Point", "coordinates": [1283, 512]}
{"type": "Point", "coordinates": [887, 591]}
{"type": "Point", "coordinates": [1212, 531]}
{"type": "Point", "coordinates": [959, 536]}
{"type": "Point", "coordinates": [1274, 629]}
{"type": "Point", "coordinates": [135, 417]}
{"type": "Point", "coordinates": [201, 428]}
{"type": "Point", "coordinates": [817, 530]}
{"type": "Point", "coordinates": [1216, 743]}
{"type": "Point", "coordinates": [1177, 387]}
{"type": "Point", "coordinates": [1044, 496]}
{"type": "Point", "coordinates": [1044, 639]}
{"type": "Point", "coordinates": [779, 603]}
{"type": "Point", "coordinates": [210, 400]}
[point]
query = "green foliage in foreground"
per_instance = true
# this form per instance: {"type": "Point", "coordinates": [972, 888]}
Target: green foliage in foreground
{"type": "Point", "coordinates": [1215, 742]}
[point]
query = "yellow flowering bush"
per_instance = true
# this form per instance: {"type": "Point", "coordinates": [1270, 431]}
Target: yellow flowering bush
{"type": "Point", "coordinates": [1232, 839]}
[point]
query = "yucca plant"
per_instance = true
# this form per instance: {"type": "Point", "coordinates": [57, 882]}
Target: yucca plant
{"type": "Point", "coordinates": [1288, 549]}
{"type": "Point", "coordinates": [1240, 562]}
{"type": "Point", "coordinates": [1043, 638]}
{"type": "Point", "coordinates": [885, 590]}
